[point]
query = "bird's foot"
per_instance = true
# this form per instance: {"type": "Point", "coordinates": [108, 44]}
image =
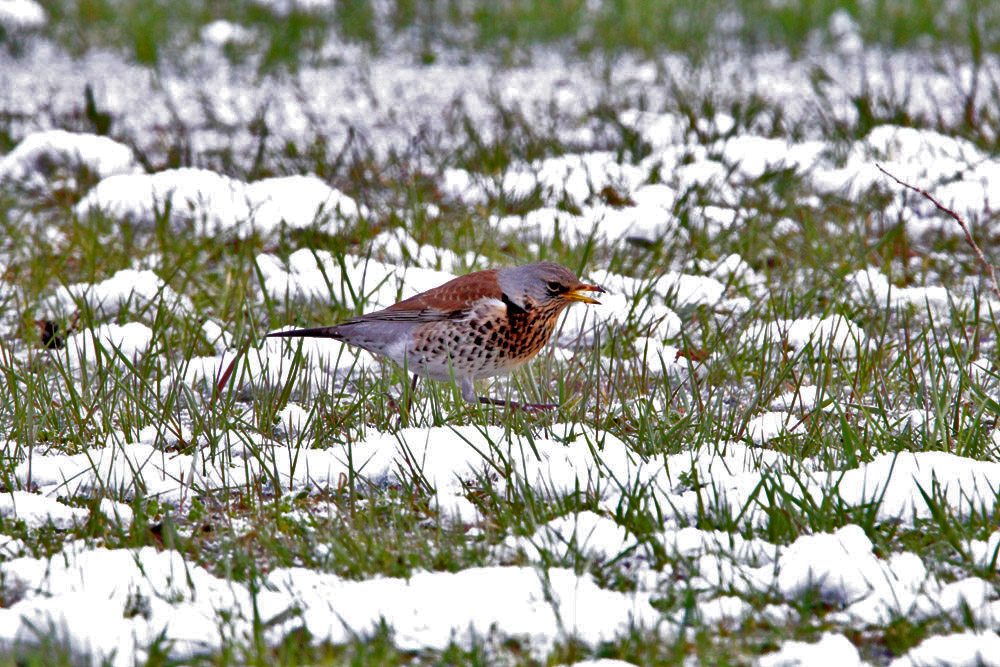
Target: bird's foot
{"type": "Point", "coordinates": [393, 407]}
{"type": "Point", "coordinates": [485, 400]}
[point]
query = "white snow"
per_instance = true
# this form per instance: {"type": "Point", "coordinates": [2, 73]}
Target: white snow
{"type": "Point", "coordinates": [326, 361]}
{"type": "Point", "coordinates": [735, 471]}
{"type": "Point", "coordinates": [680, 289]}
{"type": "Point", "coordinates": [114, 603]}
{"type": "Point", "coordinates": [348, 279]}
{"type": "Point", "coordinates": [10, 547]}
{"type": "Point", "coordinates": [753, 156]}
{"type": "Point", "coordinates": [954, 171]}
{"type": "Point", "coordinates": [18, 15]}
{"type": "Point", "coordinates": [659, 130]}
{"type": "Point", "coordinates": [583, 325]}
{"type": "Point", "coordinates": [37, 511]}
{"type": "Point", "coordinates": [573, 178]}
{"type": "Point", "coordinates": [543, 225]}
{"type": "Point", "coordinates": [646, 215]}
{"type": "Point", "coordinates": [141, 291]}
{"type": "Point", "coordinates": [286, 7]}
{"type": "Point", "coordinates": [433, 609]}
{"type": "Point", "coordinates": [120, 513]}
{"type": "Point", "coordinates": [962, 649]}
{"type": "Point", "coordinates": [211, 203]}
{"type": "Point", "coordinates": [221, 32]}
{"type": "Point", "coordinates": [52, 159]}
{"type": "Point", "coordinates": [834, 333]}
{"type": "Point", "coordinates": [586, 534]}
{"type": "Point", "coordinates": [449, 458]}
{"type": "Point", "coordinates": [840, 567]}
{"type": "Point", "coordinates": [661, 359]}
{"type": "Point", "coordinates": [106, 344]}
{"type": "Point", "coordinates": [773, 425]}
{"type": "Point", "coordinates": [396, 246]}
{"type": "Point", "coordinates": [872, 286]}
{"type": "Point", "coordinates": [831, 649]}
{"type": "Point", "coordinates": [801, 399]}
{"type": "Point", "coordinates": [986, 553]}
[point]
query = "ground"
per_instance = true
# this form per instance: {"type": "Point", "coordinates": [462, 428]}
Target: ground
{"type": "Point", "coordinates": [776, 439]}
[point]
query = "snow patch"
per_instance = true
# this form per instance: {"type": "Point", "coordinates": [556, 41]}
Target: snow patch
{"type": "Point", "coordinates": [211, 203]}
{"type": "Point", "coordinates": [53, 159]}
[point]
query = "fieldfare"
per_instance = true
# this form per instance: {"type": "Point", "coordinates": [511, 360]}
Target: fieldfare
{"type": "Point", "coordinates": [476, 326]}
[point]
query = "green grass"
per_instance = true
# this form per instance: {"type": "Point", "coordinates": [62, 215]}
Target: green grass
{"type": "Point", "coordinates": [250, 528]}
{"type": "Point", "coordinates": [151, 31]}
{"type": "Point", "coordinates": [394, 532]}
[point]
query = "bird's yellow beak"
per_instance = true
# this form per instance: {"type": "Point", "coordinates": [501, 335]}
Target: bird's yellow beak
{"type": "Point", "coordinates": [575, 294]}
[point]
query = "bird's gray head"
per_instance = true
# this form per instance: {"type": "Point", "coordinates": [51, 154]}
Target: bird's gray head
{"type": "Point", "coordinates": [543, 284]}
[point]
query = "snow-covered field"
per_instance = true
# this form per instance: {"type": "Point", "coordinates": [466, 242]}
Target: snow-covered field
{"type": "Point", "coordinates": [777, 438]}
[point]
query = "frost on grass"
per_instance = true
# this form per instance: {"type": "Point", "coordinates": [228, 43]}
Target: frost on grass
{"type": "Point", "coordinates": [212, 203]}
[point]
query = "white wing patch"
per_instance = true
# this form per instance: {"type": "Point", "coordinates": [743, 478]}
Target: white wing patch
{"type": "Point", "coordinates": [487, 308]}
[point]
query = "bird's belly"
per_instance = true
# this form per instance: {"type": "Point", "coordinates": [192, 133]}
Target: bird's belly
{"type": "Point", "coordinates": [455, 355]}
{"type": "Point", "coordinates": [463, 349]}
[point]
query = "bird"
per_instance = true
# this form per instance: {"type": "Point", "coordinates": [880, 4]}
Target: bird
{"type": "Point", "coordinates": [475, 326]}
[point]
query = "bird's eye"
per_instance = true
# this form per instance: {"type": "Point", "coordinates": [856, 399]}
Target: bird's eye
{"type": "Point", "coordinates": [555, 287]}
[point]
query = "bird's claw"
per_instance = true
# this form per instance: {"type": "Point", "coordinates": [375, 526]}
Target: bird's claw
{"type": "Point", "coordinates": [486, 400]}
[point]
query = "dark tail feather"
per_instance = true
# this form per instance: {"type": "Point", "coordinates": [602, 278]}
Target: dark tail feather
{"type": "Point", "coordinates": [315, 332]}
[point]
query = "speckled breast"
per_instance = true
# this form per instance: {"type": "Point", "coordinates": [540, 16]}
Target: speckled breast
{"type": "Point", "coordinates": [481, 347]}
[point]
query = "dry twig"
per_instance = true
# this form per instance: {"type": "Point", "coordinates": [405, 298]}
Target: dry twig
{"type": "Point", "coordinates": [961, 223]}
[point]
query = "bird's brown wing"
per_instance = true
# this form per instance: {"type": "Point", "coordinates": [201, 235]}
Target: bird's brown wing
{"type": "Point", "coordinates": [447, 302]}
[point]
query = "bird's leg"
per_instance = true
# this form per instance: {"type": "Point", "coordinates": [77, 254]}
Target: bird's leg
{"type": "Point", "coordinates": [469, 390]}
{"type": "Point", "coordinates": [469, 394]}
{"type": "Point", "coordinates": [409, 397]}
